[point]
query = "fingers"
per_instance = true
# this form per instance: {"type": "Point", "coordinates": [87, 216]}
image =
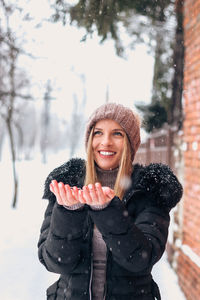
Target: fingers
{"type": "Point", "coordinates": [100, 193]}
{"type": "Point", "coordinates": [51, 188]}
{"type": "Point", "coordinates": [93, 194]}
{"type": "Point", "coordinates": [87, 196]}
{"type": "Point", "coordinates": [109, 192]}
{"type": "Point", "coordinates": [54, 188]}
{"type": "Point", "coordinates": [75, 192]}
{"type": "Point", "coordinates": [64, 194]}
{"type": "Point", "coordinates": [81, 198]}
{"type": "Point", "coordinates": [70, 198]}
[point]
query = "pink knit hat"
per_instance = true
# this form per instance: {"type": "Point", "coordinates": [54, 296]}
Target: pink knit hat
{"type": "Point", "coordinates": [124, 116]}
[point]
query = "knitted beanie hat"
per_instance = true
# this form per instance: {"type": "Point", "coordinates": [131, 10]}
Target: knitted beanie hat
{"type": "Point", "coordinates": [124, 116]}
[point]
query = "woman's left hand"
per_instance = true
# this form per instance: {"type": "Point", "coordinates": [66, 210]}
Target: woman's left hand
{"type": "Point", "coordinates": [95, 194]}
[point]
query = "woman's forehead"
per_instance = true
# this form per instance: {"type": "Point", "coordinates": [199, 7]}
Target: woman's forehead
{"type": "Point", "coordinates": [107, 122]}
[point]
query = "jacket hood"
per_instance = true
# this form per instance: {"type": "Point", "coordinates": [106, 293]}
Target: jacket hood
{"type": "Point", "coordinates": [156, 179]}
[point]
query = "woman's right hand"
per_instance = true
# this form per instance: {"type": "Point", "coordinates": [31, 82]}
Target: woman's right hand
{"type": "Point", "coordinates": [95, 194]}
{"type": "Point", "coordinates": [65, 195]}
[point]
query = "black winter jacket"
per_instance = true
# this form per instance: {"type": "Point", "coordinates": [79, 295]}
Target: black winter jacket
{"type": "Point", "coordinates": [135, 231]}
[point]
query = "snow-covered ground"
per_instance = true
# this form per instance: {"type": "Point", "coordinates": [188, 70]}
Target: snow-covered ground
{"type": "Point", "coordinates": [167, 281]}
{"type": "Point", "coordinates": [22, 277]}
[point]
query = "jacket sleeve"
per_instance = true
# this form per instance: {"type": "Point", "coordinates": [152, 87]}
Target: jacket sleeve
{"type": "Point", "coordinates": [61, 236]}
{"type": "Point", "coordinates": [135, 245]}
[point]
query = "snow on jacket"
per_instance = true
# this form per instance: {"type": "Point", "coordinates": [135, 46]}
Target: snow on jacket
{"type": "Point", "coordinates": [135, 231]}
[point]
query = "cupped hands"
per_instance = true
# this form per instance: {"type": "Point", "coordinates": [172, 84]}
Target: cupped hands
{"type": "Point", "coordinates": [92, 194]}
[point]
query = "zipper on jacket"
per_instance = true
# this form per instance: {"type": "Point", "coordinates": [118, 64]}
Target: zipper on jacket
{"type": "Point", "coordinates": [105, 285]}
{"type": "Point", "coordinates": [90, 223]}
{"type": "Point", "coordinates": [105, 291]}
{"type": "Point", "coordinates": [91, 274]}
{"type": "Point", "coordinates": [108, 254]}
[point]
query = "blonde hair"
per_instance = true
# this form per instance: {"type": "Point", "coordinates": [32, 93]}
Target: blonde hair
{"type": "Point", "coordinates": [125, 167]}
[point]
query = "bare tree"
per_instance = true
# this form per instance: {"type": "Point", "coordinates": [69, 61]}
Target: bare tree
{"type": "Point", "coordinates": [2, 133]}
{"type": "Point", "coordinates": [25, 137]}
{"type": "Point", "coordinates": [12, 86]}
{"type": "Point", "coordinates": [44, 139]}
{"type": "Point", "coordinates": [77, 120]}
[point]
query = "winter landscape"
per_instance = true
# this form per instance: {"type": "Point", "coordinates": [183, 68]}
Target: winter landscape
{"type": "Point", "coordinates": [57, 80]}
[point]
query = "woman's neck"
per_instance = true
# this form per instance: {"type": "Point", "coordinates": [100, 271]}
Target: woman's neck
{"type": "Point", "coordinates": [107, 177]}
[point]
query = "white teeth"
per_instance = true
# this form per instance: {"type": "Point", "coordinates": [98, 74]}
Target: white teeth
{"type": "Point", "coordinates": [106, 153]}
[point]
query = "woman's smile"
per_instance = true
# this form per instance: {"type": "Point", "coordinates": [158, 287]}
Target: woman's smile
{"type": "Point", "coordinates": [107, 153]}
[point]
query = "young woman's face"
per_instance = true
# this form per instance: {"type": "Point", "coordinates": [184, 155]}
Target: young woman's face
{"type": "Point", "coordinates": [108, 144]}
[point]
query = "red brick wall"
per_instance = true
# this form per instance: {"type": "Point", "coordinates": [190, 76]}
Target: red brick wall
{"type": "Point", "coordinates": [189, 277]}
{"type": "Point", "coordinates": [188, 271]}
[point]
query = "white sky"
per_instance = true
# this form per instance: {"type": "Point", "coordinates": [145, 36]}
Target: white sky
{"type": "Point", "coordinates": [63, 58]}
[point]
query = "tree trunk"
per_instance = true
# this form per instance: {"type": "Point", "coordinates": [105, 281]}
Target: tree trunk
{"type": "Point", "coordinates": [158, 67]}
{"type": "Point", "coordinates": [176, 115]}
{"type": "Point", "coordinates": [10, 134]}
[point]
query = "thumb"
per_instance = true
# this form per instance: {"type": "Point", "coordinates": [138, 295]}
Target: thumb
{"type": "Point", "coordinates": [108, 192]}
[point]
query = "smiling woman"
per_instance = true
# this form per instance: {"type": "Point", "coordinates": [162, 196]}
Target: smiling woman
{"type": "Point", "coordinates": [103, 236]}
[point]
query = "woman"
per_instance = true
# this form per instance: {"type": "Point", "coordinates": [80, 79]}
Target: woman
{"type": "Point", "coordinates": [107, 220]}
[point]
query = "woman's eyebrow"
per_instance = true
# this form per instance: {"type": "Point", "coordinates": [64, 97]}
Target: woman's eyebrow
{"type": "Point", "coordinates": [118, 129]}
{"type": "Point", "coordinates": [115, 129]}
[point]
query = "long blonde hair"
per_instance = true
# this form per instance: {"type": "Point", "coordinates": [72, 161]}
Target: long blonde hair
{"type": "Point", "coordinates": [125, 167]}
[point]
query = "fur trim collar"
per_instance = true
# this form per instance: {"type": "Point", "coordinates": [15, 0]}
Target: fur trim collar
{"type": "Point", "coordinates": [159, 181]}
{"type": "Point", "coordinates": [156, 179]}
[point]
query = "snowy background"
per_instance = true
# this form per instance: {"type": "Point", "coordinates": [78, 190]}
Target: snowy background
{"type": "Point", "coordinates": [62, 59]}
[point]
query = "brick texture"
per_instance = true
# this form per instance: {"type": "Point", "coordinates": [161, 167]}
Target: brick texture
{"type": "Point", "coordinates": [188, 272]}
{"type": "Point", "coordinates": [188, 277]}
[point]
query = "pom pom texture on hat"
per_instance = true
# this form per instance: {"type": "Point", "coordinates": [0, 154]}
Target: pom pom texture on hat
{"type": "Point", "coordinates": [124, 116]}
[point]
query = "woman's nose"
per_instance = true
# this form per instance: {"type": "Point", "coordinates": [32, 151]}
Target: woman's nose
{"type": "Point", "coordinates": [106, 140]}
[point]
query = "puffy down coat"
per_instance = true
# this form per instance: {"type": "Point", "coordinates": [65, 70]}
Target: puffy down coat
{"type": "Point", "coordinates": [135, 231]}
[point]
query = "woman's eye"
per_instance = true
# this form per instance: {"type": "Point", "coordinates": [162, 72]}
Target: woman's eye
{"type": "Point", "coordinates": [97, 132]}
{"type": "Point", "coordinates": [118, 133]}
